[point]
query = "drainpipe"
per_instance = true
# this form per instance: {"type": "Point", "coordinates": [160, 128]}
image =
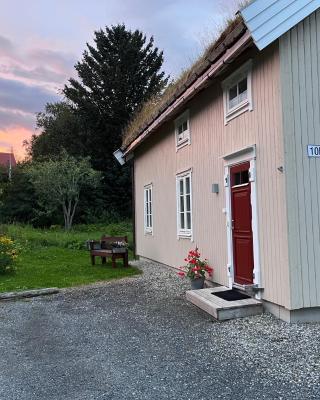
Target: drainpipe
{"type": "Point", "coordinates": [119, 155]}
{"type": "Point", "coordinates": [133, 209]}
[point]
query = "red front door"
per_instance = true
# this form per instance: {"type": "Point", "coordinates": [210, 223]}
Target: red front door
{"type": "Point", "coordinates": [241, 224]}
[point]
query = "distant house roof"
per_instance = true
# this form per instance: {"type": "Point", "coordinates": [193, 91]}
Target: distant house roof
{"type": "Point", "coordinates": [6, 159]}
{"type": "Point", "coordinates": [267, 20]}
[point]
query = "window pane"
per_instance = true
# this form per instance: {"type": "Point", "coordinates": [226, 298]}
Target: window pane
{"type": "Point", "coordinates": [182, 220]}
{"type": "Point", "coordinates": [185, 126]}
{"type": "Point", "coordinates": [240, 178]}
{"type": "Point", "coordinates": [148, 207]}
{"type": "Point", "coordinates": [245, 176]}
{"type": "Point", "coordinates": [188, 203]}
{"type": "Point", "coordinates": [233, 93]}
{"type": "Point", "coordinates": [233, 103]}
{"type": "Point", "coordinates": [182, 203]}
{"type": "Point", "coordinates": [187, 185]}
{"type": "Point", "coordinates": [243, 96]}
{"type": "Point", "coordinates": [243, 86]}
{"type": "Point", "coordinates": [180, 129]}
{"type": "Point", "coordinates": [181, 186]}
{"type": "Point", "coordinates": [237, 178]}
{"type": "Point", "coordinates": [188, 220]}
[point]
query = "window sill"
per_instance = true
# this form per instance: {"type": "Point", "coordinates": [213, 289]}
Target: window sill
{"type": "Point", "coordinates": [238, 110]}
{"type": "Point", "coordinates": [185, 236]}
{"type": "Point", "coordinates": [182, 144]}
{"type": "Point", "coordinates": [148, 233]}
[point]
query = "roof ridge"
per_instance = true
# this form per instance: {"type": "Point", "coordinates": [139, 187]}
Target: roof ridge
{"type": "Point", "coordinates": [155, 106]}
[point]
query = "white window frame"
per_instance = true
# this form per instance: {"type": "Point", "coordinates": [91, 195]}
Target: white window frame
{"type": "Point", "coordinates": [184, 117]}
{"type": "Point", "coordinates": [245, 71]}
{"type": "Point", "coordinates": [148, 227]}
{"type": "Point", "coordinates": [184, 233]}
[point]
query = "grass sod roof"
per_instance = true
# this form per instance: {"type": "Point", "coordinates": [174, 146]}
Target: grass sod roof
{"type": "Point", "coordinates": [154, 107]}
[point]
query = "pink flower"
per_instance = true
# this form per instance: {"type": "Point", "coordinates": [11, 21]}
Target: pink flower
{"type": "Point", "coordinates": [195, 267]}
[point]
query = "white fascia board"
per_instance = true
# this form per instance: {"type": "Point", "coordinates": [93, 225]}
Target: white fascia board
{"type": "Point", "coordinates": [267, 20]}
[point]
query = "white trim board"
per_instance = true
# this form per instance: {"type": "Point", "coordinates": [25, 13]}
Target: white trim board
{"type": "Point", "coordinates": [243, 155]}
{"type": "Point", "coordinates": [184, 233]}
{"type": "Point", "coordinates": [148, 230]}
{"type": "Point", "coordinates": [245, 71]}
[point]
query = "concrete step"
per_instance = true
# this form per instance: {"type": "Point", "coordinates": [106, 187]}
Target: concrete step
{"type": "Point", "coordinates": [223, 309]}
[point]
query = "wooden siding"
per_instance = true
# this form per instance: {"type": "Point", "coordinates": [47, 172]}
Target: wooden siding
{"type": "Point", "coordinates": [157, 162]}
{"type": "Point", "coordinates": [300, 84]}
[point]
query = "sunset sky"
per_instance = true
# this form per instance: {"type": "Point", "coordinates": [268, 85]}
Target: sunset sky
{"type": "Point", "coordinates": [40, 41]}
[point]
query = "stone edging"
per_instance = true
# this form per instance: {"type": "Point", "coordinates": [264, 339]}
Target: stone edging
{"type": "Point", "coordinates": [28, 293]}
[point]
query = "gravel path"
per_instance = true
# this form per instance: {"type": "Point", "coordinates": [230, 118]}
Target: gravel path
{"type": "Point", "coordinates": [139, 339]}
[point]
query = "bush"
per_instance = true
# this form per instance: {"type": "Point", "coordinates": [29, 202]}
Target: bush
{"type": "Point", "coordinates": [8, 255]}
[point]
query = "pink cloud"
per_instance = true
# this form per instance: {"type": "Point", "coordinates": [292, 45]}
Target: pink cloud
{"type": "Point", "coordinates": [13, 138]}
{"type": "Point", "coordinates": [40, 63]}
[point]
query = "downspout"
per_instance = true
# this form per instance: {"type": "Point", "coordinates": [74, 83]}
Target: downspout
{"type": "Point", "coordinates": [118, 154]}
{"type": "Point", "coordinates": [133, 210]}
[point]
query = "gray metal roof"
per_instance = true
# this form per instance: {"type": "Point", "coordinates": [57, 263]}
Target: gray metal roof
{"type": "Point", "coordinates": [267, 20]}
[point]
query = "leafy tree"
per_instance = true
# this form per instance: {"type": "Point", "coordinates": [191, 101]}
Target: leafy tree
{"type": "Point", "coordinates": [4, 181]}
{"type": "Point", "coordinates": [4, 176]}
{"type": "Point", "coordinates": [61, 128]}
{"type": "Point", "coordinates": [116, 75]}
{"type": "Point", "coordinates": [18, 198]}
{"type": "Point", "coordinates": [60, 181]}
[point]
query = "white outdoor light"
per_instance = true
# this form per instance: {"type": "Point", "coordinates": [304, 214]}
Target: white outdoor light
{"type": "Point", "coordinates": [119, 156]}
{"type": "Point", "coordinates": [215, 188]}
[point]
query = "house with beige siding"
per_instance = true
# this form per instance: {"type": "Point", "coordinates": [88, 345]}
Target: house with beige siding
{"type": "Point", "coordinates": [228, 160]}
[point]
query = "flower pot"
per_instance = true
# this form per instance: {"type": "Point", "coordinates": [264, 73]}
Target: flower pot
{"type": "Point", "coordinates": [197, 283]}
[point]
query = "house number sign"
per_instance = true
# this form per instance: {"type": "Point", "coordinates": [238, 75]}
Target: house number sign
{"type": "Point", "coordinates": [314, 150]}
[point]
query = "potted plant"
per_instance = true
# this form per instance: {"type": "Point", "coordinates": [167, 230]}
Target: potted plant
{"type": "Point", "coordinates": [119, 247]}
{"type": "Point", "coordinates": [195, 269]}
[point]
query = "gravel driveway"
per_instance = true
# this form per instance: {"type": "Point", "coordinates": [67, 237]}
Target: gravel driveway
{"type": "Point", "coordinates": [139, 339]}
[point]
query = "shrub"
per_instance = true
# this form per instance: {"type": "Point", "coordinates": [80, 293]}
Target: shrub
{"type": "Point", "coordinates": [8, 255]}
{"type": "Point", "coordinates": [76, 245]}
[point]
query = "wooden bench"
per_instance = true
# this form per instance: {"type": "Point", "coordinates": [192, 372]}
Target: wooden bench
{"type": "Point", "coordinates": [103, 248]}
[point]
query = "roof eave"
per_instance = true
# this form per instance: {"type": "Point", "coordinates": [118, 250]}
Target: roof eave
{"type": "Point", "coordinates": [191, 91]}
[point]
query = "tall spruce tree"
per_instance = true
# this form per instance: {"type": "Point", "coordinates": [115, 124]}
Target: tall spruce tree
{"type": "Point", "coordinates": [116, 75]}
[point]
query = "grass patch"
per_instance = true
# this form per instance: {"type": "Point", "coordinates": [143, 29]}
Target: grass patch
{"type": "Point", "coordinates": [30, 237]}
{"type": "Point", "coordinates": [54, 258]}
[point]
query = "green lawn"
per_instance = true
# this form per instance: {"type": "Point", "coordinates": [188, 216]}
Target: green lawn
{"type": "Point", "coordinates": [54, 258]}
